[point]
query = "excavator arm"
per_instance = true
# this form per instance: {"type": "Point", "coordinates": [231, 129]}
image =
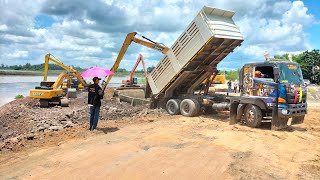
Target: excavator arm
{"type": "Point", "coordinates": [60, 79]}
{"type": "Point", "coordinates": [131, 38]}
{"type": "Point", "coordinates": [140, 59]}
{"type": "Point", "coordinates": [80, 78]}
{"type": "Point", "coordinates": [56, 61]}
{"type": "Point", "coordinates": [70, 69]}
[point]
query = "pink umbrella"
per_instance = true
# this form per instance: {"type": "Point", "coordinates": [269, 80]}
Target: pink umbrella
{"type": "Point", "coordinates": [97, 72]}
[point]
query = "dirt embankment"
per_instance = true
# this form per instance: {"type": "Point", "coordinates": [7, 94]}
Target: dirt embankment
{"type": "Point", "coordinates": [22, 121]}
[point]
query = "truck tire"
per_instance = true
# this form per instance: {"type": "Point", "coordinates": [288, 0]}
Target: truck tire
{"type": "Point", "coordinates": [44, 103]}
{"type": "Point", "coordinates": [252, 115]}
{"type": "Point", "coordinates": [173, 106]}
{"type": "Point", "coordinates": [189, 107]}
{"type": "Point", "coordinates": [297, 120]}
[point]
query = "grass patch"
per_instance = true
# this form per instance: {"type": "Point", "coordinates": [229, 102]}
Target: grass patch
{"type": "Point", "coordinates": [19, 96]}
{"type": "Point", "coordinates": [142, 81]}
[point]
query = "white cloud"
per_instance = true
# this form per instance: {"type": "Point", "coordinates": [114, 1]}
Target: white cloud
{"type": "Point", "coordinates": [3, 27]}
{"type": "Point", "coordinates": [89, 33]}
{"type": "Point", "coordinates": [285, 33]}
{"type": "Point", "coordinates": [298, 14]}
{"type": "Point", "coordinates": [16, 54]}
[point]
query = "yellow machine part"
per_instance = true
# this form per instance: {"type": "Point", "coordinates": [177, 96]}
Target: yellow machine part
{"type": "Point", "coordinates": [219, 79]}
{"type": "Point", "coordinates": [45, 94]}
{"type": "Point", "coordinates": [64, 85]}
{"type": "Point", "coordinates": [80, 86]}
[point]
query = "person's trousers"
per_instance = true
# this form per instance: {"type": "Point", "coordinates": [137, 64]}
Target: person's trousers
{"type": "Point", "coordinates": [94, 116]}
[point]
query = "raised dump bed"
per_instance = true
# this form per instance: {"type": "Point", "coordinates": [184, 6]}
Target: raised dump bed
{"type": "Point", "coordinates": [209, 38]}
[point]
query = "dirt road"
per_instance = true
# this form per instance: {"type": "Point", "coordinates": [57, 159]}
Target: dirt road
{"type": "Point", "coordinates": [175, 147]}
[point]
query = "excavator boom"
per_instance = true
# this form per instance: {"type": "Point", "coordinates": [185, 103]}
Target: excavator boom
{"type": "Point", "coordinates": [56, 61]}
{"type": "Point", "coordinates": [70, 69]}
{"type": "Point", "coordinates": [140, 59]}
{"type": "Point", "coordinates": [131, 38]}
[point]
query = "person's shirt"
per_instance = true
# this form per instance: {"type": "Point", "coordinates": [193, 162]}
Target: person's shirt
{"type": "Point", "coordinates": [235, 84]}
{"type": "Point", "coordinates": [95, 94]}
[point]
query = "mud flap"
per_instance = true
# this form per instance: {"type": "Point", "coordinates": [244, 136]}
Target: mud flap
{"type": "Point", "coordinates": [297, 120]}
{"type": "Point", "coordinates": [233, 113]}
{"type": "Point", "coordinates": [240, 111]}
{"type": "Point", "coordinates": [278, 122]}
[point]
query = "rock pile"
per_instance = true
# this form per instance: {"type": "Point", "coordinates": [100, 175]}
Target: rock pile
{"type": "Point", "coordinates": [24, 119]}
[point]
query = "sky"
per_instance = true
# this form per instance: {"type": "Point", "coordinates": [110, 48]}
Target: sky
{"type": "Point", "coordinates": [91, 33]}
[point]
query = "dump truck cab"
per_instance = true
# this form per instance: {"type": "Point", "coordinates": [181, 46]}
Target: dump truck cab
{"type": "Point", "coordinates": [271, 90]}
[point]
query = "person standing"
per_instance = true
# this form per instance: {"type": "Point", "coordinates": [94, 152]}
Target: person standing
{"type": "Point", "coordinates": [95, 94]}
{"type": "Point", "coordinates": [235, 86]}
{"type": "Point", "coordinates": [229, 86]}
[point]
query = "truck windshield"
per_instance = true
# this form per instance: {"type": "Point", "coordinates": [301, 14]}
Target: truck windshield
{"type": "Point", "coordinates": [290, 73]}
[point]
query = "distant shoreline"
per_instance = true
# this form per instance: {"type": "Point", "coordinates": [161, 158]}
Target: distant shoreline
{"type": "Point", "coordinates": [30, 73]}
{"type": "Point", "coordinates": [5, 72]}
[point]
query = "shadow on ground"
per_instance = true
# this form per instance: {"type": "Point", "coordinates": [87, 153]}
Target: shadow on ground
{"type": "Point", "coordinates": [108, 129]}
{"type": "Point", "coordinates": [223, 116]}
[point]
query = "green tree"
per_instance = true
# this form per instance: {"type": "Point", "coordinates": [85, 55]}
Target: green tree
{"type": "Point", "coordinates": [149, 69]}
{"type": "Point", "coordinates": [232, 74]}
{"type": "Point", "coordinates": [121, 70]}
{"type": "Point", "coordinates": [27, 66]}
{"type": "Point", "coordinates": [277, 56]}
{"type": "Point", "coordinates": [308, 61]}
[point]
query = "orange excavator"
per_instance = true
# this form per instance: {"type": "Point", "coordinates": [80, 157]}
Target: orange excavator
{"type": "Point", "coordinates": [132, 82]}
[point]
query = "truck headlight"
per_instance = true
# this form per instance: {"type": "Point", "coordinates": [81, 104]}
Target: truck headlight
{"type": "Point", "coordinates": [284, 111]}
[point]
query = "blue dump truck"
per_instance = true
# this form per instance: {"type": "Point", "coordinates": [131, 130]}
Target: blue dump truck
{"type": "Point", "coordinates": [270, 91]}
{"type": "Point", "coordinates": [176, 83]}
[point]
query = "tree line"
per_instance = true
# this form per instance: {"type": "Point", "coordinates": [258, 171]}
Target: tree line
{"type": "Point", "coordinates": [122, 70]}
{"type": "Point", "coordinates": [37, 67]}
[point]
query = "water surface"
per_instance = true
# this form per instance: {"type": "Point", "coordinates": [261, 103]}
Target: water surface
{"type": "Point", "coordinates": [10, 86]}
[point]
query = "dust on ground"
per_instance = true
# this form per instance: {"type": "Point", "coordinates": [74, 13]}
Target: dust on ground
{"type": "Point", "coordinates": [153, 145]}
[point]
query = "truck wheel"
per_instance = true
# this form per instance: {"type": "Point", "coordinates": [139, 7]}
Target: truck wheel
{"type": "Point", "coordinates": [189, 107]}
{"type": "Point", "coordinates": [173, 106]}
{"type": "Point", "coordinates": [252, 115]}
{"type": "Point", "coordinates": [44, 103]}
{"type": "Point", "coordinates": [297, 120]}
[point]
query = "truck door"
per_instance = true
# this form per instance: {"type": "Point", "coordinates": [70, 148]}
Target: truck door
{"type": "Point", "coordinates": [254, 78]}
{"type": "Point", "coordinates": [247, 80]}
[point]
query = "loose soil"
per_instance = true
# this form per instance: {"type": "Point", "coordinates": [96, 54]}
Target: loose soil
{"type": "Point", "coordinates": [139, 143]}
